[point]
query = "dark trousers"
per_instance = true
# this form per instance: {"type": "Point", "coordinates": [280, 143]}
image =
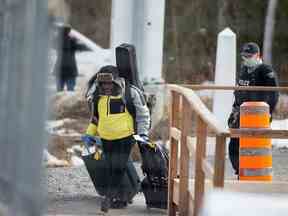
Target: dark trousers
{"type": "Point", "coordinates": [234, 122]}
{"type": "Point", "coordinates": [70, 82]}
{"type": "Point", "coordinates": [234, 148]}
{"type": "Point", "coordinates": [234, 154]}
{"type": "Point", "coordinates": [116, 153]}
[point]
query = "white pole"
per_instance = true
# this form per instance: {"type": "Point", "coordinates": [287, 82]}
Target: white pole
{"type": "Point", "coordinates": [122, 17]}
{"type": "Point", "coordinates": [152, 40]}
{"type": "Point", "coordinates": [225, 73]}
{"type": "Point", "coordinates": [142, 24]}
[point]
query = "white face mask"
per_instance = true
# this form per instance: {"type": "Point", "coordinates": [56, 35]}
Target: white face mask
{"type": "Point", "coordinates": [252, 61]}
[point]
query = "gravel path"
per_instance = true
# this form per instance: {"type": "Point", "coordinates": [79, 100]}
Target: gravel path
{"type": "Point", "coordinates": [70, 191]}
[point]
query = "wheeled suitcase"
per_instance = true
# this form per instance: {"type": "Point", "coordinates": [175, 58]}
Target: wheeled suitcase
{"type": "Point", "coordinates": [155, 192]}
{"type": "Point", "coordinates": [127, 64]}
{"type": "Point", "coordinates": [97, 170]}
{"type": "Point", "coordinates": [155, 168]}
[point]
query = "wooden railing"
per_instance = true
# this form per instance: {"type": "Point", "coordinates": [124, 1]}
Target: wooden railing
{"type": "Point", "coordinates": [185, 193]}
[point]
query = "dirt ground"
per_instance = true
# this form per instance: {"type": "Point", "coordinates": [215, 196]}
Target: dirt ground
{"type": "Point", "coordinates": [71, 192]}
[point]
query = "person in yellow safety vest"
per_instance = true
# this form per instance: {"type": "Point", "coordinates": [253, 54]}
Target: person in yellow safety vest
{"type": "Point", "coordinates": [115, 122]}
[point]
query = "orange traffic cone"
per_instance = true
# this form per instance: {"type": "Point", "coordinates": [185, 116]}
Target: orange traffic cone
{"type": "Point", "coordinates": [255, 154]}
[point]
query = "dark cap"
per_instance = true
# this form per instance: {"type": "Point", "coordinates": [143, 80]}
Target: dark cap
{"type": "Point", "coordinates": [249, 49]}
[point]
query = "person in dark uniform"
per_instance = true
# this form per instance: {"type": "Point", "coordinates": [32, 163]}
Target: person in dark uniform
{"type": "Point", "coordinates": [66, 69]}
{"type": "Point", "coordinates": [252, 73]}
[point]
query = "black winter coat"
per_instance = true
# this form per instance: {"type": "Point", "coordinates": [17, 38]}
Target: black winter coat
{"type": "Point", "coordinates": [263, 75]}
{"type": "Point", "coordinates": [66, 65]}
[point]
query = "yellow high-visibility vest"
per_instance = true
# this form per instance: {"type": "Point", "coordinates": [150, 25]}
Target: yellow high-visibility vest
{"type": "Point", "coordinates": [114, 120]}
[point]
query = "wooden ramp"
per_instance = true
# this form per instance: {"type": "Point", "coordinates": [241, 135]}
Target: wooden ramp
{"type": "Point", "coordinates": [219, 203]}
{"type": "Point", "coordinates": [189, 117]}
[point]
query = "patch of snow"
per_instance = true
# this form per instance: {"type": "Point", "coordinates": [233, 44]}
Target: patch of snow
{"type": "Point", "coordinates": [47, 156]}
{"type": "Point", "coordinates": [76, 152]}
{"type": "Point", "coordinates": [219, 203]}
{"type": "Point", "coordinates": [280, 125]}
{"type": "Point", "coordinates": [51, 161]}
{"type": "Point", "coordinates": [206, 93]}
{"type": "Point", "coordinates": [89, 62]}
{"type": "Point", "coordinates": [53, 125]}
{"type": "Point", "coordinates": [76, 161]}
{"type": "Point", "coordinates": [66, 132]}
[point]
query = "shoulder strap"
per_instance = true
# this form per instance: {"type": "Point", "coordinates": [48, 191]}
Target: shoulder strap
{"type": "Point", "coordinates": [128, 101]}
{"type": "Point", "coordinates": [94, 105]}
{"type": "Point", "coordinates": [90, 83]}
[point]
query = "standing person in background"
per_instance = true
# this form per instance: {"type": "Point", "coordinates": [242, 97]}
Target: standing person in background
{"type": "Point", "coordinates": [252, 73]}
{"type": "Point", "coordinates": [66, 69]}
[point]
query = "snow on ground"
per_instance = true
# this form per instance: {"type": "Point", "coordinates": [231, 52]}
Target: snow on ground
{"type": "Point", "coordinates": [55, 127]}
{"type": "Point", "coordinates": [51, 161]}
{"type": "Point", "coordinates": [280, 125]}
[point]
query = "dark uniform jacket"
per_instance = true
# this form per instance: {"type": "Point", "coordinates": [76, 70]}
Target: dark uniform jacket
{"type": "Point", "coordinates": [262, 75]}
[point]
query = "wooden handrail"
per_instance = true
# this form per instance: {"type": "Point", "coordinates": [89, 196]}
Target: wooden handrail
{"type": "Point", "coordinates": [239, 88]}
{"type": "Point", "coordinates": [259, 132]}
{"type": "Point", "coordinates": [184, 101]}
{"type": "Point", "coordinates": [185, 104]}
{"type": "Point", "coordinates": [199, 107]}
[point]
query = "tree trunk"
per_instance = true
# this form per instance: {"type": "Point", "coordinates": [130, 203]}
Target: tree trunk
{"type": "Point", "coordinates": [222, 22]}
{"type": "Point", "coordinates": [175, 39]}
{"type": "Point", "coordinates": [269, 31]}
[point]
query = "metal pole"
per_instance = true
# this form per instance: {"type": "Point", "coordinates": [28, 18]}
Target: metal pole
{"type": "Point", "coordinates": [23, 76]}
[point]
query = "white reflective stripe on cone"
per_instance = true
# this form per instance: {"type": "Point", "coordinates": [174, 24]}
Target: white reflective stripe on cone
{"type": "Point", "coordinates": [256, 172]}
{"type": "Point", "coordinates": [254, 110]}
{"type": "Point", "coordinates": [255, 151]}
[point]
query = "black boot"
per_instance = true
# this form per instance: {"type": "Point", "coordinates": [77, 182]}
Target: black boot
{"type": "Point", "coordinates": [118, 204]}
{"type": "Point", "coordinates": [105, 204]}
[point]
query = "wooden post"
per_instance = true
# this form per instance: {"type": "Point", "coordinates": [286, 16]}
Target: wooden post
{"type": "Point", "coordinates": [184, 159]}
{"type": "Point", "coordinates": [176, 108]}
{"type": "Point", "coordinates": [219, 164]}
{"type": "Point", "coordinates": [200, 154]}
{"type": "Point", "coordinates": [174, 118]}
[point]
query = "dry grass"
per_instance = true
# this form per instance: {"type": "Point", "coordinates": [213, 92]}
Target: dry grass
{"type": "Point", "coordinates": [69, 105]}
{"type": "Point", "coordinates": [58, 146]}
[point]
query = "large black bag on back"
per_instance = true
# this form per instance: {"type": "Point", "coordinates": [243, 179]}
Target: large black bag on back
{"type": "Point", "coordinates": [155, 168]}
{"type": "Point", "coordinates": [97, 170]}
{"type": "Point", "coordinates": [127, 64]}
